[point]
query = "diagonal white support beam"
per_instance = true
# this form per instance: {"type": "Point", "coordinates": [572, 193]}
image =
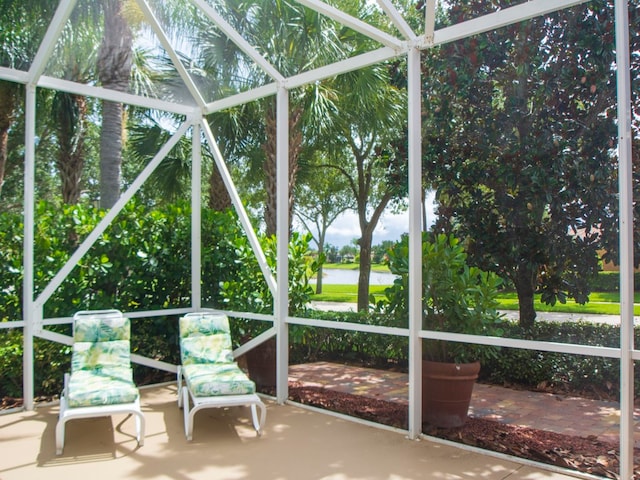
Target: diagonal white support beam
{"type": "Point", "coordinates": [311, 76]}
{"type": "Point", "coordinates": [110, 216]}
{"type": "Point", "coordinates": [50, 39]}
{"type": "Point", "coordinates": [502, 18]}
{"type": "Point", "coordinates": [353, 23]}
{"type": "Point", "coordinates": [397, 19]}
{"type": "Point", "coordinates": [238, 39]}
{"type": "Point", "coordinates": [343, 66]}
{"type": "Point", "coordinates": [240, 210]}
{"type": "Point", "coordinates": [166, 44]}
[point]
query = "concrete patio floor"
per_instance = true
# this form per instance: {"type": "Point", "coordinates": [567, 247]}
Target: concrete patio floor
{"type": "Point", "coordinates": [298, 444]}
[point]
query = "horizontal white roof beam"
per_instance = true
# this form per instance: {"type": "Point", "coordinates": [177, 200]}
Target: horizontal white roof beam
{"type": "Point", "coordinates": [501, 18]}
{"type": "Point", "coordinates": [114, 96]}
{"type": "Point", "coordinates": [11, 75]}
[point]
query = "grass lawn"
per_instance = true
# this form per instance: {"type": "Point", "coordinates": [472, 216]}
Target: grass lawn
{"type": "Point", "coordinates": [599, 302]}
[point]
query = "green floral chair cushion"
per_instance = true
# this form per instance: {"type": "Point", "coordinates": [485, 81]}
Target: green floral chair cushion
{"type": "Point", "coordinates": [100, 355]}
{"type": "Point", "coordinates": [214, 348]}
{"type": "Point", "coordinates": [102, 329]}
{"type": "Point", "coordinates": [196, 325]}
{"type": "Point", "coordinates": [108, 386]}
{"type": "Point", "coordinates": [208, 380]}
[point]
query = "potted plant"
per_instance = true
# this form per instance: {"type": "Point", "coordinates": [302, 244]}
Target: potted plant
{"type": "Point", "coordinates": [457, 298]}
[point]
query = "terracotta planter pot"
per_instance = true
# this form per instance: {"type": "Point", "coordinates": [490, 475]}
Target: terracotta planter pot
{"type": "Point", "coordinates": [446, 392]}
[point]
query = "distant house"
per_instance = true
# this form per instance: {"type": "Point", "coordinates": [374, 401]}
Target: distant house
{"type": "Point", "coordinates": [348, 258]}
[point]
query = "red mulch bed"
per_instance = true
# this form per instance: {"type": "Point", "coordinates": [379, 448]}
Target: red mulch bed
{"type": "Point", "coordinates": [583, 454]}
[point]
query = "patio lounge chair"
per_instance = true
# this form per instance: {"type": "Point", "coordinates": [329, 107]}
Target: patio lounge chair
{"type": "Point", "coordinates": [101, 380]}
{"type": "Point", "coordinates": [208, 374]}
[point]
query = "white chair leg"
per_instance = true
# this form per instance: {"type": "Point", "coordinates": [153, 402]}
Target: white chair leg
{"type": "Point", "coordinates": [188, 417]}
{"type": "Point", "coordinates": [140, 428]}
{"type": "Point", "coordinates": [258, 424]}
{"type": "Point", "coordinates": [180, 386]}
{"type": "Point", "coordinates": [60, 436]}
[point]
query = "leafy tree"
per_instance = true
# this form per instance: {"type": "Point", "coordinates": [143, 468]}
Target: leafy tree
{"type": "Point", "coordinates": [319, 201]}
{"type": "Point", "coordinates": [519, 138]}
{"type": "Point", "coordinates": [380, 251]}
{"type": "Point", "coordinates": [331, 253]}
{"type": "Point", "coordinates": [368, 154]}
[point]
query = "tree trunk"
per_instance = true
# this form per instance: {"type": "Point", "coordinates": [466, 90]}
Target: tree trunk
{"type": "Point", "coordinates": [270, 173]}
{"type": "Point", "coordinates": [525, 287]}
{"type": "Point", "coordinates": [365, 268]}
{"type": "Point", "coordinates": [8, 100]}
{"type": "Point", "coordinates": [71, 112]}
{"type": "Point", "coordinates": [110, 154]}
{"type": "Point", "coordinates": [320, 269]}
{"type": "Point", "coordinates": [270, 165]}
{"type": "Point", "coordinates": [114, 67]}
{"type": "Point", "coordinates": [219, 199]}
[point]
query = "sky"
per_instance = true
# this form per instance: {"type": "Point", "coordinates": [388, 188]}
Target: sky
{"type": "Point", "coordinates": [390, 227]}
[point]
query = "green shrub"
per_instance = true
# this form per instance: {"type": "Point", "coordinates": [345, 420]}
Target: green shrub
{"type": "Point", "coordinates": [247, 289]}
{"type": "Point", "coordinates": [141, 262]}
{"type": "Point", "coordinates": [610, 282]}
{"type": "Point", "coordinates": [456, 297]}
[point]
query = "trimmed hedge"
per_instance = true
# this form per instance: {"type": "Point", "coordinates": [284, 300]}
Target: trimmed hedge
{"type": "Point", "coordinates": [610, 282]}
{"type": "Point", "coordinates": [142, 262]}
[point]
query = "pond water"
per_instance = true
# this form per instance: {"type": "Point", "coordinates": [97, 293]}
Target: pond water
{"type": "Point", "coordinates": [350, 277]}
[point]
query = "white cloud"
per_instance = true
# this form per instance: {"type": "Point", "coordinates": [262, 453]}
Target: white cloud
{"type": "Point", "coordinates": [390, 227]}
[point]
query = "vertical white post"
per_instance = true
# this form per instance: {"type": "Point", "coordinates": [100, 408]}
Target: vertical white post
{"type": "Point", "coordinates": [430, 20]}
{"type": "Point", "coordinates": [282, 266]}
{"type": "Point", "coordinates": [29, 313]}
{"type": "Point", "coordinates": [626, 239]}
{"type": "Point", "coordinates": [415, 243]}
{"type": "Point", "coordinates": [196, 218]}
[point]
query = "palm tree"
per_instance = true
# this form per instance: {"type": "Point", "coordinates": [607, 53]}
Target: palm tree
{"type": "Point", "coordinates": [114, 71]}
{"type": "Point", "coordinates": [267, 26]}
{"type": "Point", "coordinates": [22, 25]}
{"type": "Point", "coordinates": [73, 60]}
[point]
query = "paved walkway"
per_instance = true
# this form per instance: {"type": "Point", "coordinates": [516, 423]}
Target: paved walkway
{"type": "Point", "coordinates": [544, 411]}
